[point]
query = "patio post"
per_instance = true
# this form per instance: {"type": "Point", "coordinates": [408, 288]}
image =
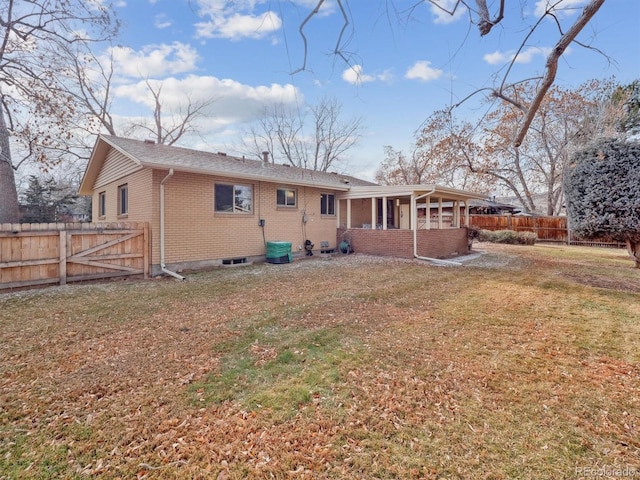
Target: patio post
{"type": "Point", "coordinates": [374, 204]}
{"type": "Point", "coordinates": [428, 213]}
{"type": "Point", "coordinates": [456, 213]}
{"type": "Point", "coordinates": [384, 213]}
{"type": "Point", "coordinates": [466, 213]}
{"type": "Point", "coordinates": [414, 212]}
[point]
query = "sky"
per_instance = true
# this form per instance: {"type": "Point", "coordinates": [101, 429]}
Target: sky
{"type": "Point", "coordinates": [400, 61]}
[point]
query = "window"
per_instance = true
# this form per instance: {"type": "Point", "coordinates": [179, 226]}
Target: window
{"type": "Point", "coordinates": [123, 199]}
{"type": "Point", "coordinates": [233, 198]}
{"type": "Point", "coordinates": [327, 204]}
{"type": "Point", "coordinates": [102, 204]}
{"type": "Point", "coordinates": [286, 197]}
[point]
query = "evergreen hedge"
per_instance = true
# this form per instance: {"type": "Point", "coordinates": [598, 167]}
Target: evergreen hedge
{"type": "Point", "coordinates": [602, 192]}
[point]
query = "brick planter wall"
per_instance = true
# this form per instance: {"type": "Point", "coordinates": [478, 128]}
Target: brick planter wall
{"type": "Point", "coordinates": [444, 243]}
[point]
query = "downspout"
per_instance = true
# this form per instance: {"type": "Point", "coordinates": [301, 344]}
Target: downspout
{"type": "Point", "coordinates": [163, 266]}
{"type": "Point", "coordinates": [414, 222]}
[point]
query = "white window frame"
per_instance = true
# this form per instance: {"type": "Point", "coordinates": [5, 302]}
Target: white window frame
{"type": "Point", "coordinates": [123, 199]}
{"type": "Point", "coordinates": [102, 204]}
{"type": "Point", "coordinates": [236, 206]}
{"type": "Point", "coordinates": [324, 204]}
{"type": "Point", "coordinates": [286, 203]}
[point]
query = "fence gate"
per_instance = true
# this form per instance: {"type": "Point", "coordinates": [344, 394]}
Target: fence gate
{"type": "Point", "coordinates": [39, 254]}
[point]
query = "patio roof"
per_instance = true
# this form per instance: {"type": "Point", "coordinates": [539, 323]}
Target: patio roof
{"type": "Point", "coordinates": [395, 191]}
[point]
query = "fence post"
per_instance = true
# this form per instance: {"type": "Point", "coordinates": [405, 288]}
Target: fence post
{"type": "Point", "coordinates": [63, 257]}
{"type": "Point", "coordinates": [146, 252]}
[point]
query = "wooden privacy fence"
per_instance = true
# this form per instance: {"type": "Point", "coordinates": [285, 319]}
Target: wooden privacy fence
{"type": "Point", "coordinates": [44, 253]}
{"type": "Point", "coordinates": [548, 229]}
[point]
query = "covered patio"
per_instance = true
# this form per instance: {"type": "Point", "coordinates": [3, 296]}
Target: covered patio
{"type": "Point", "coordinates": [410, 221]}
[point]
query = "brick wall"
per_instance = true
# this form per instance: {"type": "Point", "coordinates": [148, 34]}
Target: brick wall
{"type": "Point", "coordinates": [445, 243]}
{"type": "Point", "coordinates": [431, 243]}
{"type": "Point", "coordinates": [196, 232]}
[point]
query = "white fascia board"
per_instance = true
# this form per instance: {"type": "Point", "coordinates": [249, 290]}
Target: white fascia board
{"type": "Point", "coordinates": [408, 190]}
{"type": "Point", "coordinates": [244, 176]}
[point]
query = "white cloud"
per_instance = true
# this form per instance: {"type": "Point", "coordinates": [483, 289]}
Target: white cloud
{"type": "Point", "coordinates": [162, 21]}
{"type": "Point", "coordinates": [447, 11]}
{"type": "Point", "coordinates": [565, 8]}
{"type": "Point", "coordinates": [234, 101]}
{"type": "Point", "coordinates": [525, 56]}
{"type": "Point", "coordinates": [239, 26]}
{"type": "Point", "coordinates": [422, 70]}
{"type": "Point", "coordinates": [155, 60]}
{"type": "Point", "coordinates": [386, 76]}
{"type": "Point", "coordinates": [327, 8]}
{"type": "Point", "coordinates": [235, 20]}
{"type": "Point", "coordinates": [355, 76]}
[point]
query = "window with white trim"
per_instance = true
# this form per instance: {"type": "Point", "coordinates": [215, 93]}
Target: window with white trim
{"type": "Point", "coordinates": [102, 204]}
{"type": "Point", "coordinates": [286, 197]}
{"type": "Point", "coordinates": [233, 198]}
{"type": "Point", "coordinates": [327, 204]}
{"type": "Point", "coordinates": [123, 199]}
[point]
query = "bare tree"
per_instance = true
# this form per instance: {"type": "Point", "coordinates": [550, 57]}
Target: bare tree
{"type": "Point", "coordinates": [167, 129]}
{"type": "Point", "coordinates": [32, 104]}
{"type": "Point", "coordinates": [485, 19]}
{"type": "Point", "coordinates": [279, 132]}
{"type": "Point", "coordinates": [483, 158]}
{"type": "Point", "coordinates": [282, 133]}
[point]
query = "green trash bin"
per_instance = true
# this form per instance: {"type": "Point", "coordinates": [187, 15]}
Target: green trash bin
{"type": "Point", "coordinates": [279, 252]}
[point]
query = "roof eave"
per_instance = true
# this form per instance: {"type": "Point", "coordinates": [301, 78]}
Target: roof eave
{"type": "Point", "coordinates": [357, 192]}
{"type": "Point", "coordinates": [100, 149]}
{"type": "Point", "coordinates": [245, 176]}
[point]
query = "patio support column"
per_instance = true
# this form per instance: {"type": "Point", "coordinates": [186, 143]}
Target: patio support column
{"type": "Point", "coordinates": [414, 212]}
{"type": "Point", "coordinates": [466, 213]}
{"type": "Point", "coordinates": [374, 217]}
{"type": "Point", "coordinates": [440, 213]}
{"type": "Point", "coordinates": [348, 213]}
{"type": "Point", "coordinates": [456, 214]}
{"type": "Point", "coordinates": [428, 213]}
{"type": "Point", "coordinates": [384, 213]}
{"type": "Point", "coordinates": [337, 204]}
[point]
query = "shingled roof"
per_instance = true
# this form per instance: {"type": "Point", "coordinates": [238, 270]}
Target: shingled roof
{"type": "Point", "coordinates": [151, 155]}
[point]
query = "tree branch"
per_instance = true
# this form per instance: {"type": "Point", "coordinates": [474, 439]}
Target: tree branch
{"type": "Point", "coordinates": [552, 65]}
{"type": "Point", "coordinates": [486, 23]}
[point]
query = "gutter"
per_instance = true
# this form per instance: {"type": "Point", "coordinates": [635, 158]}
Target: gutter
{"type": "Point", "coordinates": [163, 266]}
{"type": "Point", "coordinates": [414, 220]}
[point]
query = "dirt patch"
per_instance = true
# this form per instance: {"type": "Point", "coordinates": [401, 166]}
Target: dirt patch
{"type": "Point", "coordinates": [599, 281]}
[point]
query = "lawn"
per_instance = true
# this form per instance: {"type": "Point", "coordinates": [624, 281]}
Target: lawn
{"type": "Point", "coordinates": [523, 363]}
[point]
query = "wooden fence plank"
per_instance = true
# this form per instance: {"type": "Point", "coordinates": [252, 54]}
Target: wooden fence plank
{"type": "Point", "coordinates": [30, 263]}
{"type": "Point", "coordinates": [108, 266]}
{"type": "Point", "coordinates": [63, 257]}
{"type": "Point", "coordinates": [146, 247]}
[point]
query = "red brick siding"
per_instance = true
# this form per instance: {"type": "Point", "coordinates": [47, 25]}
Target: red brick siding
{"type": "Point", "coordinates": [443, 243]}
{"type": "Point", "coordinates": [399, 243]}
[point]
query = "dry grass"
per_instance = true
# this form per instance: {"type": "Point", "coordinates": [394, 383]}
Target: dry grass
{"type": "Point", "coordinates": [525, 363]}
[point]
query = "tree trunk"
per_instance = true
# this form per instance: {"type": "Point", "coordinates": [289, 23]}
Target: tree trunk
{"type": "Point", "coordinates": [9, 212]}
{"type": "Point", "coordinates": [633, 247]}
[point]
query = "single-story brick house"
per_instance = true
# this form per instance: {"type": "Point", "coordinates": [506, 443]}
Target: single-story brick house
{"type": "Point", "coordinates": [209, 209]}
